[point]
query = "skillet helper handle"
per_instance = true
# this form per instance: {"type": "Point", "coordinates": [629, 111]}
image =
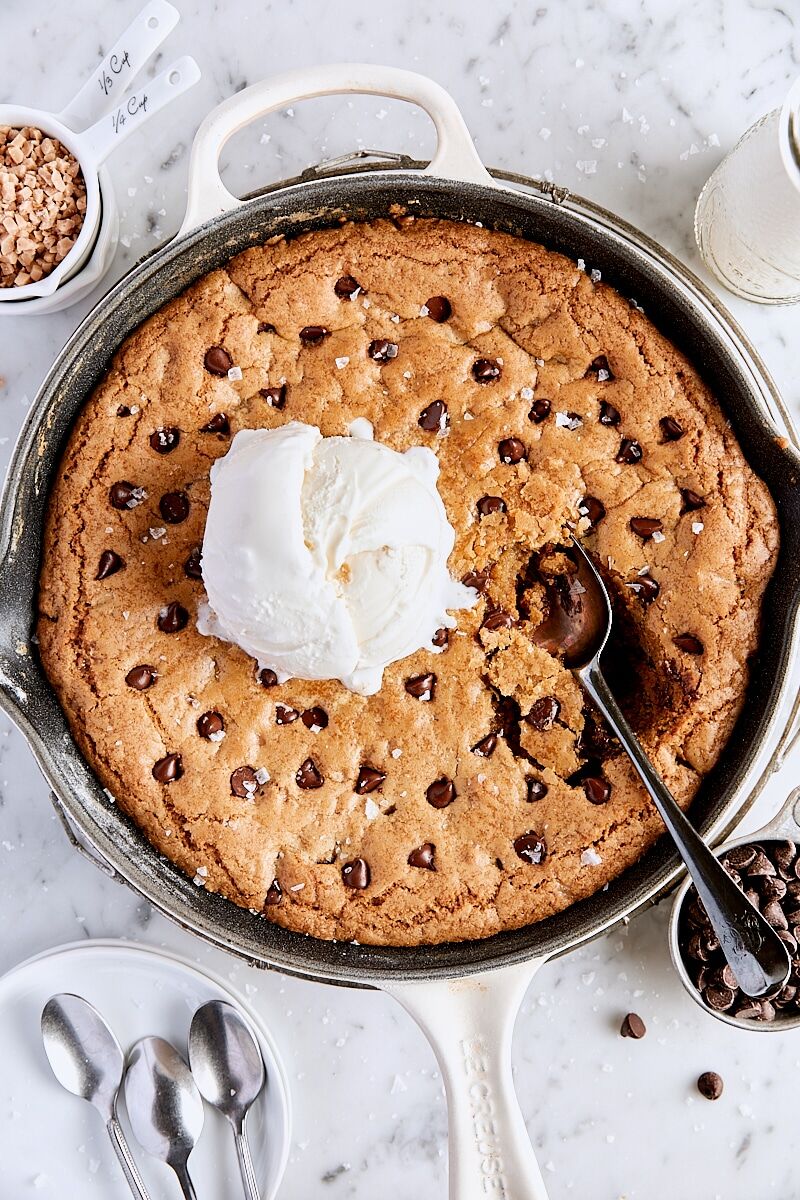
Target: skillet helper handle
{"type": "Point", "coordinates": [469, 1023]}
{"type": "Point", "coordinates": [455, 157]}
{"type": "Point", "coordinates": [117, 71]}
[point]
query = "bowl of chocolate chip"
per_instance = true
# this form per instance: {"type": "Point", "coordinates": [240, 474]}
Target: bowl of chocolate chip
{"type": "Point", "coordinates": [766, 865]}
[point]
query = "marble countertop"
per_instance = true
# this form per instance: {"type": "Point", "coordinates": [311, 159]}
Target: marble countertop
{"type": "Point", "coordinates": [632, 105]}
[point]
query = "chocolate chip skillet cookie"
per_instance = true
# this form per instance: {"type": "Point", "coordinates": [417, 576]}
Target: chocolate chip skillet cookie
{"type": "Point", "coordinates": [474, 791]}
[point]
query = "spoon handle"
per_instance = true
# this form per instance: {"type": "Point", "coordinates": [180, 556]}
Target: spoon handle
{"type": "Point", "coordinates": [246, 1166]}
{"type": "Point", "coordinates": [755, 953]}
{"type": "Point", "coordinates": [123, 1152]}
{"type": "Point", "coordinates": [187, 1187]}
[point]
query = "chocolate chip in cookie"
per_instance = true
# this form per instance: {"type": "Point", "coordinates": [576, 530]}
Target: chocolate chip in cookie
{"type": "Point", "coordinates": [544, 714]}
{"type": "Point", "coordinates": [688, 643]}
{"type": "Point", "coordinates": [217, 361]}
{"type": "Point", "coordinates": [172, 618]}
{"type": "Point", "coordinates": [141, 678]}
{"type": "Point", "coordinates": [491, 504]}
{"type": "Point", "coordinates": [174, 507]}
{"type": "Point", "coordinates": [244, 783]}
{"type": "Point", "coordinates": [191, 566]}
{"type": "Point", "coordinates": [671, 430]}
{"type": "Point", "coordinates": [210, 725]}
{"type": "Point", "coordinates": [368, 780]}
{"type": "Point", "coordinates": [347, 288]}
{"type": "Point", "coordinates": [165, 440]}
{"type": "Point", "coordinates": [434, 418]}
{"type": "Point", "coordinates": [275, 396]}
{"type": "Point", "coordinates": [124, 495]}
{"type": "Point", "coordinates": [382, 350]}
{"type": "Point", "coordinates": [645, 527]}
{"type": "Point", "coordinates": [110, 563]}
{"type": "Point", "coordinates": [168, 769]}
{"type": "Point", "coordinates": [421, 687]}
{"type": "Point", "coordinates": [540, 410]}
{"type": "Point", "coordinates": [486, 370]}
{"type": "Point", "coordinates": [629, 452]}
{"type": "Point", "coordinates": [308, 775]}
{"type": "Point", "coordinates": [219, 423]}
{"type": "Point", "coordinates": [314, 335]}
{"type": "Point", "coordinates": [356, 874]}
{"type": "Point", "coordinates": [531, 848]}
{"type": "Point", "coordinates": [423, 857]}
{"type": "Point", "coordinates": [486, 747]}
{"type": "Point", "coordinates": [438, 308]}
{"type": "Point", "coordinates": [441, 792]}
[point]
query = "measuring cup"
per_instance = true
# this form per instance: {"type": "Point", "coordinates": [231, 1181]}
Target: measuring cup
{"type": "Point", "coordinates": [784, 827]}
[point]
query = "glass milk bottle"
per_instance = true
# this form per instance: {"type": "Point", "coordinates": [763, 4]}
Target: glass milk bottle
{"type": "Point", "coordinates": [747, 222]}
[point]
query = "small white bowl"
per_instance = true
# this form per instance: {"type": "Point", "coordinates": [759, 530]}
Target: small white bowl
{"type": "Point", "coordinates": [784, 827]}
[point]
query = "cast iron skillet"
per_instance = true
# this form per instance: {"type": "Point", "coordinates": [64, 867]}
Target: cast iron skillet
{"type": "Point", "coordinates": [454, 186]}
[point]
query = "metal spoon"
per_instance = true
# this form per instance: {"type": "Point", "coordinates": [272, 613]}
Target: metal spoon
{"type": "Point", "coordinates": [226, 1062]}
{"type": "Point", "coordinates": [577, 627]}
{"type": "Point", "coordinates": [88, 1061]}
{"type": "Point", "coordinates": [164, 1106]}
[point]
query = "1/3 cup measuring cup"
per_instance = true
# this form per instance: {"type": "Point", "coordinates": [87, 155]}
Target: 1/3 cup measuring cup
{"type": "Point", "coordinates": [118, 113]}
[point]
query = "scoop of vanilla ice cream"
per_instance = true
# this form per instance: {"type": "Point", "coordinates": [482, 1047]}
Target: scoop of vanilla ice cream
{"type": "Point", "coordinates": [326, 558]}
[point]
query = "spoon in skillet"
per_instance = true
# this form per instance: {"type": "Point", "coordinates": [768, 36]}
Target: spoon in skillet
{"type": "Point", "coordinates": [577, 628]}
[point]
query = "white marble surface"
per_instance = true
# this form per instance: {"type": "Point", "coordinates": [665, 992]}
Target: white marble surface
{"type": "Point", "coordinates": [632, 104]}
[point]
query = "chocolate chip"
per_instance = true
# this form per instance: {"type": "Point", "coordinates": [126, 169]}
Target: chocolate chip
{"type": "Point", "coordinates": [267, 678]}
{"type": "Point", "coordinates": [434, 418]}
{"type": "Point", "coordinates": [421, 686]}
{"type": "Point", "coordinates": [486, 370]}
{"type": "Point", "coordinates": [773, 888]}
{"type": "Point", "coordinates": [600, 369]}
{"type": "Point", "coordinates": [784, 854]}
{"type": "Point", "coordinates": [368, 780]}
{"type": "Point", "coordinates": [439, 309]}
{"type": "Point", "coordinates": [381, 350]}
{"type": "Point", "coordinates": [109, 564]}
{"type": "Point", "coordinates": [748, 1010]}
{"type": "Point", "coordinates": [123, 411]}
{"type": "Point", "coordinates": [720, 999]}
{"type": "Point", "coordinates": [192, 564]}
{"type": "Point", "coordinates": [544, 713]}
{"type": "Point", "coordinates": [356, 874]}
{"type": "Point", "coordinates": [629, 452]}
{"type": "Point", "coordinates": [633, 1027]}
{"type": "Point", "coordinates": [219, 423]}
{"type": "Point", "coordinates": [210, 723]}
{"type": "Point", "coordinates": [497, 619]}
{"type": "Point", "coordinates": [645, 527]}
{"type": "Point", "coordinates": [477, 579]}
{"type": "Point", "coordinates": [168, 769]}
{"type": "Point", "coordinates": [789, 939]}
{"type": "Point", "coordinates": [174, 507]}
{"type": "Point", "coordinates": [307, 775]}
{"type": "Point", "coordinates": [275, 396]}
{"type": "Point", "coordinates": [787, 995]}
{"type": "Point", "coordinates": [697, 948]}
{"type": "Point", "coordinates": [486, 747]}
{"type": "Point", "coordinates": [165, 440]}
{"type": "Point", "coordinates": [441, 792]}
{"type": "Point", "coordinates": [285, 715]}
{"type": "Point", "coordinates": [691, 500]}
{"type": "Point", "coordinates": [536, 790]}
{"type": "Point", "coordinates": [671, 430]}
{"type": "Point", "coordinates": [773, 913]}
{"type": "Point", "coordinates": [125, 495]}
{"type": "Point", "coordinates": [741, 857]}
{"type": "Point", "coordinates": [491, 504]}
{"type": "Point", "coordinates": [274, 895]}
{"type": "Point", "coordinates": [531, 848]}
{"type": "Point", "coordinates": [244, 783]}
{"type": "Point", "coordinates": [608, 414]}
{"type": "Point", "coordinates": [710, 1085]}
{"type": "Point", "coordinates": [347, 288]}
{"type": "Point", "coordinates": [173, 618]}
{"type": "Point", "coordinates": [217, 361]}
{"type": "Point", "coordinates": [593, 509]}
{"type": "Point", "coordinates": [314, 335]}
{"type": "Point", "coordinates": [645, 587]}
{"type": "Point", "coordinates": [141, 678]}
{"type": "Point", "coordinates": [511, 450]}
{"type": "Point", "coordinates": [540, 411]}
{"type": "Point", "coordinates": [597, 789]}
{"type": "Point", "coordinates": [423, 857]}
{"type": "Point", "coordinates": [767, 1011]}
{"type": "Point", "coordinates": [688, 643]}
{"type": "Point", "coordinates": [266, 327]}
{"type": "Point", "coordinates": [315, 718]}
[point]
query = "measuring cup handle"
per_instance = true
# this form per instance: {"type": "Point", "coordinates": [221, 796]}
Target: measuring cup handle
{"type": "Point", "coordinates": [117, 71]}
{"type": "Point", "coordinates": [134, 108]}
{"type": "Point", "coordinates": [455, 156]}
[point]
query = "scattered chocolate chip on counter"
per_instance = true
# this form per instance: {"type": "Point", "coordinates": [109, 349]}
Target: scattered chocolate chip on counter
{"type": "Point", "coordinates": [633, 1027]}
{"type": "Point", "coordinates": [768, 874]}
{"type": "Point", "coordinates": [42, 204]}
{"type": "Point", "coordinates": [710, 1085]}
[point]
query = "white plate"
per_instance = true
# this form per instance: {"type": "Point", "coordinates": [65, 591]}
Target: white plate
{"type": "Point", "coordinates": [53, 1145]}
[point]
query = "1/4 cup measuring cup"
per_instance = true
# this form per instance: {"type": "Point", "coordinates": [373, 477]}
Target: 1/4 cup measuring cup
{"type": "Point", "coordinates": [117, 113]}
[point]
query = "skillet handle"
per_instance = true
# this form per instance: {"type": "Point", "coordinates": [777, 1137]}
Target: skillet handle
{"type": "Point", "coordinates": [455, 157]}
{"type": "Point", "coordinates": [469, 1023]}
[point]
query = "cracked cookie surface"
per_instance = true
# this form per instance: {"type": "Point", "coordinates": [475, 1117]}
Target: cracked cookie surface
{"type": "Point", "coordinates": [474, 792]}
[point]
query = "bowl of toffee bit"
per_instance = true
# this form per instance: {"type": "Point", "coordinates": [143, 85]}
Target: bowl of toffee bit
{"type": "Point", "coordinates": [766, 866]}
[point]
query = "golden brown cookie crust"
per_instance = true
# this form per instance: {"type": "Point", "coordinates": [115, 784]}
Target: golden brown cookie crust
{"type": "Point", "coordinates": [555, 335]}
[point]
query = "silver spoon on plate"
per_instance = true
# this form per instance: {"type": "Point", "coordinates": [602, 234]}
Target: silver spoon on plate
{"type": "Point", "coordinates": [228, 1068]}
{"type": "Point", "coordinates": [577, 629]}
{"type": "Point", "coordinates": [165, 1108]}
{"type": "Point", "coordinates": [88, 1061]}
